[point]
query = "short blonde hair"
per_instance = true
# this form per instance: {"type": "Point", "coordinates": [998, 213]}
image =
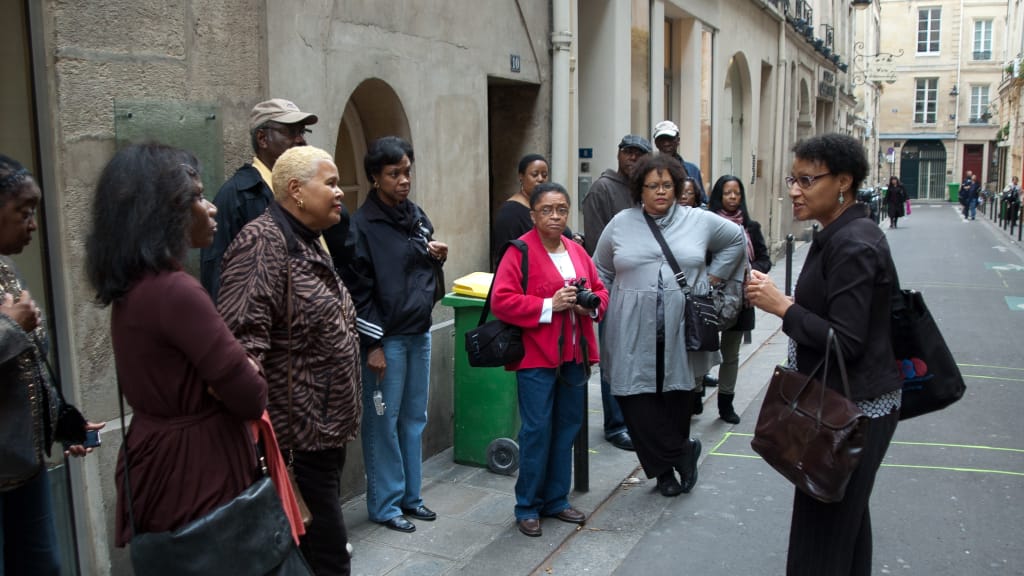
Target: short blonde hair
{"type": "Point", "coordinates": [297, 163]}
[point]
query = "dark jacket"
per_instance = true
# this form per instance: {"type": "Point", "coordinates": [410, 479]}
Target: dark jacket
{"type": "Point", "coordinates": [391, 275]}
{"type": "Point", "coordinates": [240, 200]}
{"type": "Point", "coordinates": [323, 343]}
{"type": "Point", "coordinates": [846, 284]}
{"type": "Point", "coordinates": [762, 263]}
{"type": "Point", "coordinates": [608, 196]}
{"type": "Point", "coordinates": [895, 200]}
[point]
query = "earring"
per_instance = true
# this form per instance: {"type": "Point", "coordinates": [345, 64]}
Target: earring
{"type": "Point", "coordinates": [299, 203]}
{"type": "Point", "coordinates": [841, 198]}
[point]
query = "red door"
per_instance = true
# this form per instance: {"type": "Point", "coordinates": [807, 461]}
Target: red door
{"type": "Point", "coordinates": [973, 160]}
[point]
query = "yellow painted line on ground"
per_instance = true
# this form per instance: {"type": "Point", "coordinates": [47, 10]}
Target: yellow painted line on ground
{"type": "Point", "coordinates": [714, 452]}
{"type": "Point", "coordinates": [980, 377]}
{"type": "Point", "coordinates": [991, 367]}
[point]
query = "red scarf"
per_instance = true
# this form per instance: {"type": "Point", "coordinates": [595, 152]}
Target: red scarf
{"type": "Point", "coordinates": [737, 217]}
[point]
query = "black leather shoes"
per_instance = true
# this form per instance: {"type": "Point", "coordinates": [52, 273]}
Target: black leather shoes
{"type": "Point", "coordinates": [530, 527]}
{"type": "Point", "coordinates": [622, 441]}
{"type": "Point", "coordinates": [688, 466]}
{"type": "Point", "coordinates": [572, 516]}
{"type": "Point", "coordinates": [710, 381]}
{"type": "Point", "coordinates": [420, 513]}
{"type": "Point", "coordinates": [668, 485]}
{"type": "Point", "coordinates": [399, 524]}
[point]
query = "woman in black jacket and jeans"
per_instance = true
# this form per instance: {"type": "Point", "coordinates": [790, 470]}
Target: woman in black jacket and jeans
{"type": "Point", "coordinates": [392, 278]}
{"type": "Point", "coordinates": [729, 200]}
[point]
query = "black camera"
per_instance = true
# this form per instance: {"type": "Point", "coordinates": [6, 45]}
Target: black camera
{"type": "Point", "coordinates": [584, 297]}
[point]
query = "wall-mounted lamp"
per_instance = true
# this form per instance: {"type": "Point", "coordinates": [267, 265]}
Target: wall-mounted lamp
{"type": "Point", "coordinates": [954, 92]}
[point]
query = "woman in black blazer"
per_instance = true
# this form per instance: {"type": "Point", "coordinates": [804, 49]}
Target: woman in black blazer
{"type": "Point", "coordinates": [845, 285]}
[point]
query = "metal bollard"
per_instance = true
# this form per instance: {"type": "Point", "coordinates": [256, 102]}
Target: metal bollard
{"type": "Point", "coordinates": [789, 264]}
{"type": "Point", "coordinates": [581, 452]}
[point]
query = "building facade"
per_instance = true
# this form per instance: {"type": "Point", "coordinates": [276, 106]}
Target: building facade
{"type": "Point", "coordinates": [473, 86]}
{"type": "Point", "coordinates": [939, 116]}
{"type": "Point", "coordinates": [1010, 137]}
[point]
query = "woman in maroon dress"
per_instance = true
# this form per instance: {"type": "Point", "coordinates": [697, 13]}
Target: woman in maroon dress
{"type": "Point", "coordinates": [190, 384]}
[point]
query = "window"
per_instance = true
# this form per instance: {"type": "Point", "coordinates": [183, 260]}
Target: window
{"type": "Point", "coordinates": [928, 20]}
{"type": "Point", "coordinates": [925, 100]}
{"type": "Point", "coordinates": [983, 40]}
{"type": "Point", "coordinates": [979, 105]}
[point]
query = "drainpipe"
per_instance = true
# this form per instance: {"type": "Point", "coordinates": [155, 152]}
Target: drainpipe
{"type": "Point", "coordinates": [959, 91]}
{"type": "Point", "coordinates": [781, 144]}
{"type": "Point", "coordinates": [561, 46]}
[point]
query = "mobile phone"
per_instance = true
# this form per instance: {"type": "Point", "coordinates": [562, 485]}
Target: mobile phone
{"type": "Point", "coordinates": [92, 439]}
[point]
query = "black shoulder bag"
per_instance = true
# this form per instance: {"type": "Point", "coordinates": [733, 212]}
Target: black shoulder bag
{"type": "Point", "coordinates": [495, 343]}
{"type": "Point", "coordinates": [700, 317]}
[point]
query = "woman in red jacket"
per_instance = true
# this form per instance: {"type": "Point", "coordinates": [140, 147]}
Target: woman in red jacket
{"type": "Point", "coordinates": [564, 296]}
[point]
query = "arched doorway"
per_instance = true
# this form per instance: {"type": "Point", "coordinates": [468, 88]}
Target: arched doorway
{"type": "Point", "coordinates": [373, 110]}
{"type": "Point", "coordinates": [923, 169]}
{"type": "Point", "coordinates": [736, 95]}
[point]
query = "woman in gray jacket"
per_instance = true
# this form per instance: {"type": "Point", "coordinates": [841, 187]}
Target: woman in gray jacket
{"type": "Point", "coordinates": [643, 348]}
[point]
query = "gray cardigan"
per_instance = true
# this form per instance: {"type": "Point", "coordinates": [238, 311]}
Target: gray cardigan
{"type": "Point", "coordinates": [632, 265]}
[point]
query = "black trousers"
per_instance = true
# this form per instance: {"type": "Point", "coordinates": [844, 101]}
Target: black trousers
{"type": "Point", "coordinates": [659, 425]}
{"type": "Point", "coordinates": [835, 539]}
{"type": "Point", "coordinates": [318, 475]}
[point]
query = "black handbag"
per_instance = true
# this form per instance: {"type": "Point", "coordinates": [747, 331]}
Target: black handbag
{"type": "Point", "coordinates": [248, 536]}
{"type": "Point", "coordinates": [701, 323]}
{"type": "Point", "coordinates": [495, 343]}
{"type": "Point", "coordinates": [932, 379]}
{"type": "Point", "coordinates": [809, 433]}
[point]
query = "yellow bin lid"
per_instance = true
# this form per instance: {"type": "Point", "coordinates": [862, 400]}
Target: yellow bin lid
{"type": "Point", "coordinates": [477, 284]}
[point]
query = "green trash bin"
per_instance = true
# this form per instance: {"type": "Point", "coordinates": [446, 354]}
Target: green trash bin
{"type": "Point", "coordinates": [486, 401]}
{"type": "Point", "coordinates": [954, 191]}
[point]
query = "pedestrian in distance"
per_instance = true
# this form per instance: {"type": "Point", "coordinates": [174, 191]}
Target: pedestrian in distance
{"type": "Point", "coordinates": [285, 303]}
{"type": "Point", "coordinates": [844, 286]}
{"type": "Point", "coordinates": [564, 297]}
{"type": "Point", "coordinates": [666, 140]}
{"type": "Point", "coordinates": [190, 383]}
{"type": "Point", "coordinates": [644, 347]}
{"type": "Point", "coordinates": [394, 281]}
{"type": "Point", "coordinates": [688, 195]}
{"type": "Point", "coordinates": [895, 201]}
{"type": "Point", "coordinates": [33, 413]}
{"type": "Point", "coordinates": [729, 200]}
{"type": "Point", "coordinates": [969, 191]}
{"type": "Point", "coordinates": [609, 195]}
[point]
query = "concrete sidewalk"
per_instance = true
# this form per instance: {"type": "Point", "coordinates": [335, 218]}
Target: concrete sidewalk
{"type": "Point", "coordinates": [475, 532]}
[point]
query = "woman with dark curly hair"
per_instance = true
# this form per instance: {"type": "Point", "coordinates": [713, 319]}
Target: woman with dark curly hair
{"type": "Point", "coordinates": [33, 413]}
{"type": "Point", "coordinates": [644, 351]}
{"type": "Point", "coordinates": [844, 286]}
{"type": "Point", "coordinates": [190, 384]}
{"type": "Point", "coordinates": [729, 200]}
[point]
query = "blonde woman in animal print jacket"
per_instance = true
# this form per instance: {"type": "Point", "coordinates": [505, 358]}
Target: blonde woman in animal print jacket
{"type": "Point", "coordinates": [284, 302]}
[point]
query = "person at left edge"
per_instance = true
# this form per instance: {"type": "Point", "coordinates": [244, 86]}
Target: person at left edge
{"type": "Point", "coordinates": [276, 268]}
{"type": "Point", "coordinates": [274, 126]}
{"type": "Point", "coordinates": [393, 278]}
{"type": "Point", "coordinates": [28, 537]}
{"type": "Point", "coordinates": [558, 336]}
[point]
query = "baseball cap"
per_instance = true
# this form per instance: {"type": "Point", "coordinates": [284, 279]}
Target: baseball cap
{"type": "Point", "coordinates": [281, 111]}
{"type": "Point", "coordinates": [634, 141]}
{"type": "Point", "coordinates": [666, 128]}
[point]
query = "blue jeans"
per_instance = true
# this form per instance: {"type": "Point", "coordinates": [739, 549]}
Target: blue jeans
{"type": "Point", "coordinates": [392, 443]}
{"type": "Point", "coordinates": [28, 538]}
{"type": "Point", "coordinates": [614, 423]}
{"type": "Point", "coordinates": [551, 412]}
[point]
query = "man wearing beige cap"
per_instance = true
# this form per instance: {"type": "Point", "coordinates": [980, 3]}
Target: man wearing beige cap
{"type": "Point", "coordinates": [274, 126]}
{"type": "Point", "coordinates": [666, 140]}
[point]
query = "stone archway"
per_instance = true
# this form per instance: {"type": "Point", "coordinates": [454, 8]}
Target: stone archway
{"type": "Point", "coordinates": [737, 97]}
{"type": "Point", "coordinates": [373, 110]}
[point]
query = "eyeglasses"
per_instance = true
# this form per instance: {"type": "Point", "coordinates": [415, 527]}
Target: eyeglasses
{"type": "Point", "coordinates": [666, 186]}
{"type": "Point", "coordinates": [804, 182]}
{"type": "Point", "coordinates": [547, 211]}
{"type": "Point", "coordinates": [291, 131]}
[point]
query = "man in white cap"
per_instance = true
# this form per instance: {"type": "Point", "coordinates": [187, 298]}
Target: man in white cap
{"type": "Point", "coordinates": [274, 126]}
{"type": "Point", "coordinates": [608, 196]}
{"type": "Point", "coordinates": [666, 140]}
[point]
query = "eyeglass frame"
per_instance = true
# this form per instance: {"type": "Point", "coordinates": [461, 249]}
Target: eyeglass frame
{"type": "Point", "coordinates": [800, 180]}
{"type": "Point", "coordinates": [666, 186]}
{"type": "Point", "coordinates": [548, 211]}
